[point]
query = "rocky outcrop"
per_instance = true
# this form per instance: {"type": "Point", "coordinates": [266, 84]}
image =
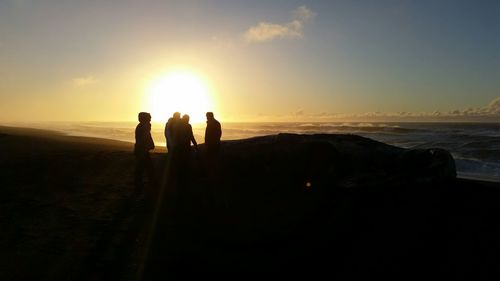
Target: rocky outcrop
{"type": "Point", "coordinates": [347, 160]}
{"type": "Point", "coordinates": [310, 206]}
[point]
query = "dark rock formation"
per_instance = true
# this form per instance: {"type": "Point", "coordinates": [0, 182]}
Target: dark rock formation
{"type": "Point", "coordinates": [305, 205]}
{"type": "Point", "coordinates": [345, 160]}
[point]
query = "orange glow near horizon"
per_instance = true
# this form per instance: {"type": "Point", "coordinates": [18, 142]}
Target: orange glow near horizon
{"type": "Point", "coordinates": [178, 90]}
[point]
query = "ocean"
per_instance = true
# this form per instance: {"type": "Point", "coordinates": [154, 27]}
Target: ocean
{"type": "Point", "coordinates": [475, 146]}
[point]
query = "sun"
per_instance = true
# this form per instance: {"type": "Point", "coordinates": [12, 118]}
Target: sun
{"type": "Point", "coordinates": [180, 90]}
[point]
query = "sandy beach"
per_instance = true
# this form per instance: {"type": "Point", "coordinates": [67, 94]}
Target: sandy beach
{"type": "Point", "coordinates": [68, 203]}
{"type": "Point", "coordinates": [69, 210]}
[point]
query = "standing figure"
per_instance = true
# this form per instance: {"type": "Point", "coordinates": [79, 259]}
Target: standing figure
{"type": "Point", "coordinates": [143, 144]}
{"type": "Point", "coordinates": [213, 134]}
{"type": "Point", "coordinates": [169, 130]}
{"type": "Point", "coordinates": [182, 153]}
{"type": "Point", "coordinates": [183, 135]}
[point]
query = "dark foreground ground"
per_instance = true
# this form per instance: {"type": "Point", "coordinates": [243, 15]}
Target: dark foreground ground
{"type": "Point", "coordinates": [278, 207]}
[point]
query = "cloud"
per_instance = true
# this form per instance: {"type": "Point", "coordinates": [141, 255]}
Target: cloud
{"type": "Point", "coordinates": [494, 107]}
{"type": "Point", "coordinates": [488, 113]}
{"type": "Point", "coordinates": [266, 31]}
{"type": "Point", "coordinates": [303, 14]}
{"type": "Point", "coordinates": [84, 81]}
{"type": "Point", "coordinates": [491, 110]}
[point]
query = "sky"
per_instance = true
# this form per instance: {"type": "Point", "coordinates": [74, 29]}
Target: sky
{"type": "Point", "coordinates": [273, 60]}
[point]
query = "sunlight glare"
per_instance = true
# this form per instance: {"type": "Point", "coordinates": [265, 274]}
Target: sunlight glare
{"type": "Point", "coordinates": [182, 91]}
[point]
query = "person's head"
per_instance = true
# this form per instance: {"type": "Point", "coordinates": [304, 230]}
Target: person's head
{"type": "Point", "coordinates": [210, 115]}
{"type": "Point", "coordinates": [144, 117]}
{"type": "Point", "coordinates": [177, 115]}
{"type": "Point", "coordinates": [185, 118]}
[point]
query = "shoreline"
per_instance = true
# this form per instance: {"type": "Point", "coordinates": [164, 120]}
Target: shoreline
{"type": "Point", "coordinates": [159, 146]}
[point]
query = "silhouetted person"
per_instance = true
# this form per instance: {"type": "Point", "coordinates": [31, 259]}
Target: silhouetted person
{"type": "Point", "coordinates": [182, 152]}
{"type": "Point", "coordinates": [175, 215]}
{"type": "Point", "coordinates": [169, 130]}
{"type": "Point", "coordinates": [183, 135]}
{"type": "Point", "coordinates": [143, 144]}
{"type": "Point", "coordinates": [213, 133]}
